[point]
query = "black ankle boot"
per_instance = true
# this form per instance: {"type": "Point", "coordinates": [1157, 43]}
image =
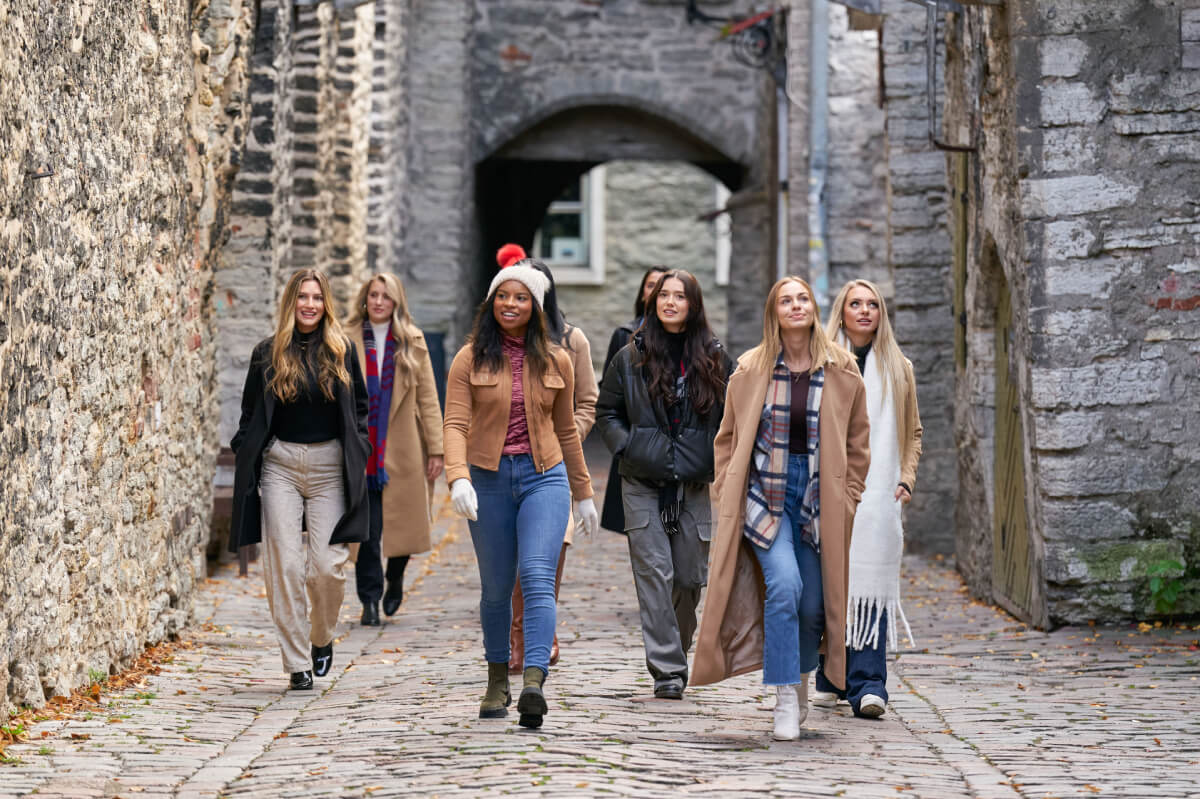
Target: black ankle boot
{"type": "Point", "coordinates": [393, 596]}
{"type": "Point", "coordinates": [532, 704]}
{"type": "Point", "coordinates": [370, 615]}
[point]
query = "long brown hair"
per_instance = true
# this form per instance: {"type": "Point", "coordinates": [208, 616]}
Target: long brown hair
{"type": "Point", "coordinates": [289, 370]}
{"type": "Point", "coordinates": [820, 347]}
{"type": "Point", "coordinates": [702, 362]}
{"type": "Point", "coordinates": [402, 327]}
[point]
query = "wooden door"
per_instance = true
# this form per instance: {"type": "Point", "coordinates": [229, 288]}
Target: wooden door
{"type": "Point", "coordinates": [1011, 561]}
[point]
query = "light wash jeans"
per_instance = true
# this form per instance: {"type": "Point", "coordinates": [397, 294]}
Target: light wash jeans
{"type": "Point", "coordinates": [522, 518]}
{"type": "Point", "coordinates": [794, 610]}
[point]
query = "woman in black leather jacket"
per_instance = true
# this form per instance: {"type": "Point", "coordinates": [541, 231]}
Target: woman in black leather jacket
{"type": "Point", "coordinates": [660, 406]}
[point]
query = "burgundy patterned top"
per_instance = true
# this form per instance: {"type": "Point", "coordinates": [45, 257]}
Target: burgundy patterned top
{"type": "Point", "coordinates": [516, 441]}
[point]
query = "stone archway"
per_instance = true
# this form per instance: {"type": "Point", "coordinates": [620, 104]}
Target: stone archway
{"type": "Point", "coordinates": [520, 177]}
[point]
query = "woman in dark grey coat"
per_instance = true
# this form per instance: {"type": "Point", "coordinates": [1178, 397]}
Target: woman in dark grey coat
{"type": "Point", "coordinates": [660, 407]}
{"type": "Point", "coordinates": [300, 479]}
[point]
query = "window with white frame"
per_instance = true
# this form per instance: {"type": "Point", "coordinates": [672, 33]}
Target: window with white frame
{"type": "Point", "coordinates": [570, 239]}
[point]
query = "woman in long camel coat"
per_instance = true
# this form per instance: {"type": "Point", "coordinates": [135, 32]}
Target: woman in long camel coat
{"type": "Point", "coordinates": [411, 442]}
{"type": "Point", "coordinates": [733, 632]}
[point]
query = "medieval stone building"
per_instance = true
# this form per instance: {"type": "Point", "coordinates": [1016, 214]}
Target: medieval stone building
{"type": "Point", "coordinates": [166, 169]}
{"type": "Point", "coordinates": [1076, 291]}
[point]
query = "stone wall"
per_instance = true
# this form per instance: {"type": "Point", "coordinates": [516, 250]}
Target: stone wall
{"type": "Point", "coordinates": [919, 253]}
{"type": "Point", "coordinates": [438, 249]}
{"type": "Point", "coordinates": [1105, 133]}
{"type": "Point", "coordinates": [122, 125]}
{"type": "Point", "coordinates": [651, 212]}
{"type": "Point", "coordinates": [857, 187]}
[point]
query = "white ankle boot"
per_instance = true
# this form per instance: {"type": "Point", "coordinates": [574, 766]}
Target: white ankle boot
{"type": "Point", "coordinates": [788, 713]}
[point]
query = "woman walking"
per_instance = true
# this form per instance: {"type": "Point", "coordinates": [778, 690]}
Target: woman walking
{"type": "Point", "coordinates": [301, 457]}
{"type": "Point", "coordinates": [791, 461]}
{"type": "Point", "coordinates": [514, 461]}
{"type": "Point", "coordinates": [405, 426]}
{"type": "Point", "coordinates": [660, 405]}
{"type": "Point", "coordinates": [860, 323]}
{"type": "Point", "coordinates": [612, 514]}
{"type": "Point", "coordinates": [576, 344]}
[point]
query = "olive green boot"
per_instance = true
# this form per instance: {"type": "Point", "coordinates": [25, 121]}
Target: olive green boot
{"type": "Point", "coordinates": [497, 699]}
{"type": "Point", "coordinates": [532, 704]}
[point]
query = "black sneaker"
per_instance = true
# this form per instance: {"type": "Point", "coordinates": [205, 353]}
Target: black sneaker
{"type": "Point", "coordinates": [301, 681]}
{"type": "Point", "coordinates": [322, 659]}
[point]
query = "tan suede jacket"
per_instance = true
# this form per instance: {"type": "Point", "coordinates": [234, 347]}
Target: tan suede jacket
{"type": "Point", "coordinates": [477, 410]}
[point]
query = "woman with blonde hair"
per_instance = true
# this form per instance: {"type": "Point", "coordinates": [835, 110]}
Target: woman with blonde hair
{"type": "Point", "coordinates": [404, 422]}
{"type": "Point", "coordinates": [301, 455]}
{"type": "Point", "coordinates": [514, 463]}
{"type": "Point", "coordinates": [859, 322]}
{"type": "Point", "coordinates": [791, 462]}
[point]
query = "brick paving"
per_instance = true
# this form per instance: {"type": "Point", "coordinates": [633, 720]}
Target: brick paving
{"type": "Point", "coordinates": [984, 707]}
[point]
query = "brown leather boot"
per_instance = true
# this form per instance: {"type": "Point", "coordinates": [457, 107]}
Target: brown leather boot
{"type": "Point", "coordinates": [562, 559]}
{"type": "Point", "coordinates": [516, 633]}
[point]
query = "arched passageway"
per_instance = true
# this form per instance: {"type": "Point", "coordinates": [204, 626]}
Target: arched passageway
{"type": "Point", "coordinates": [548, 165]}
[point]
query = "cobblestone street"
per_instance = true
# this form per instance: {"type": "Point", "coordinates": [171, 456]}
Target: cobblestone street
{"type": "Point", "coordinates": [983, 707]}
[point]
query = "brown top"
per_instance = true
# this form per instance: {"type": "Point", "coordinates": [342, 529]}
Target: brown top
{"type": "Point", "coordinates": [478, 403]}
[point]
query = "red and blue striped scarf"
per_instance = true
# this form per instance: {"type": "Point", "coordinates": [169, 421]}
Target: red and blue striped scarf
{"type": "Point", "coordinates": [379, 393]}
{"type": "Point", "coordinates": [769, 462]}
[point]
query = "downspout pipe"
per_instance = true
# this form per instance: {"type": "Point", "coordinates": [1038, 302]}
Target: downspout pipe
{"type": "Point", "coordinates": [818, 161]}
{"type": "Point", "coordinates": [781, 195]}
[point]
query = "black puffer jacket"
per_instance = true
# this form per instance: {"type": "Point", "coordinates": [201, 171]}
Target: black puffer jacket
{"type": "Point", "coordinates": [640, 432]}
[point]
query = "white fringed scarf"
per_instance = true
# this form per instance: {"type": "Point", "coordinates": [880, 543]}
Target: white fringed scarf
{"type": "Point", "coordinates": [877, 542]}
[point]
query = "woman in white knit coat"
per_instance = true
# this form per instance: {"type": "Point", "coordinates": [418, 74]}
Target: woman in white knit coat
{"type": "Point", "coordinates": [859, 322]}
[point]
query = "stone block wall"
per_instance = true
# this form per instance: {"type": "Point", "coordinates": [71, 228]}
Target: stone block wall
{"type": "Point", "coordinates": [123, 124]}
{"type": "Point", "coordinates": [259, 246]}
{"type": "Point", "coordinates": [438, 247]}
{"type": "Point", "coordinates": [857, 187]}
{"type": "Point", "coordinates": [919, 253]}
{"type": "Point", "coordinates": [1104, 222]}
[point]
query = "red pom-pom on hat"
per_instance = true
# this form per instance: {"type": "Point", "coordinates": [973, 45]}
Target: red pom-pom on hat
{"type": "Point", "coordinates": [510, 254]}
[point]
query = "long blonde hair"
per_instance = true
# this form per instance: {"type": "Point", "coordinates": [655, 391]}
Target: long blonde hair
{"type": "Point", "coordinates": [892, 363]}
{"type": "Point", "coordinates": [820, 347]}
{"type": "Point", "coordinates": [288, 367]}
{"type": "Point", "coordinates": [403, 329]}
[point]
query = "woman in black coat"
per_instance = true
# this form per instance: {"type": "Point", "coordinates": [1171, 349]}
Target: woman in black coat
{"type": "Point", "coordinates": [300, 480]}
{"type": "Point", "coordinates": [612, 517]}
{"type": "Point", "coordinates": [660, 407]}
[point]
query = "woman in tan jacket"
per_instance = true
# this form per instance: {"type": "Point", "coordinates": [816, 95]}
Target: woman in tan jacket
{"type": "Point", "coordinates": [576, 344]}
{"type": "Point", "coordinates": [791, 460]}
{"type": "Point", "coordinates": [514, 463]}
{"type": "Point", "coordinates": [406, 440]}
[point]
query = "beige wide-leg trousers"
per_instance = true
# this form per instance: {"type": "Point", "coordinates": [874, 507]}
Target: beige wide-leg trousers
{"type": "Point", "coordinates": [303, 482]}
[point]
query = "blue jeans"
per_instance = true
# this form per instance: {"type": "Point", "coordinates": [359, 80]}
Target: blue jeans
{"type": "Point", "coordinates": [794, 610]}
{"type": "Point", "coordinates": [522, 520]}
{"type": "Point", "coordinates": [866, 671]}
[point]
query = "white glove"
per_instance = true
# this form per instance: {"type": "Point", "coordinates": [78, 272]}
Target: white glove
{"type": "Point", "coordinates": [462, 498]}
{"type": "Point", "coordinates": [586, 516]}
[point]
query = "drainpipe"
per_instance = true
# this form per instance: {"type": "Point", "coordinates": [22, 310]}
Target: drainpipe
{"type": "Point", "coordinates": [781, 201]}
{"type": "Point", "coordinates": [818, 160]}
